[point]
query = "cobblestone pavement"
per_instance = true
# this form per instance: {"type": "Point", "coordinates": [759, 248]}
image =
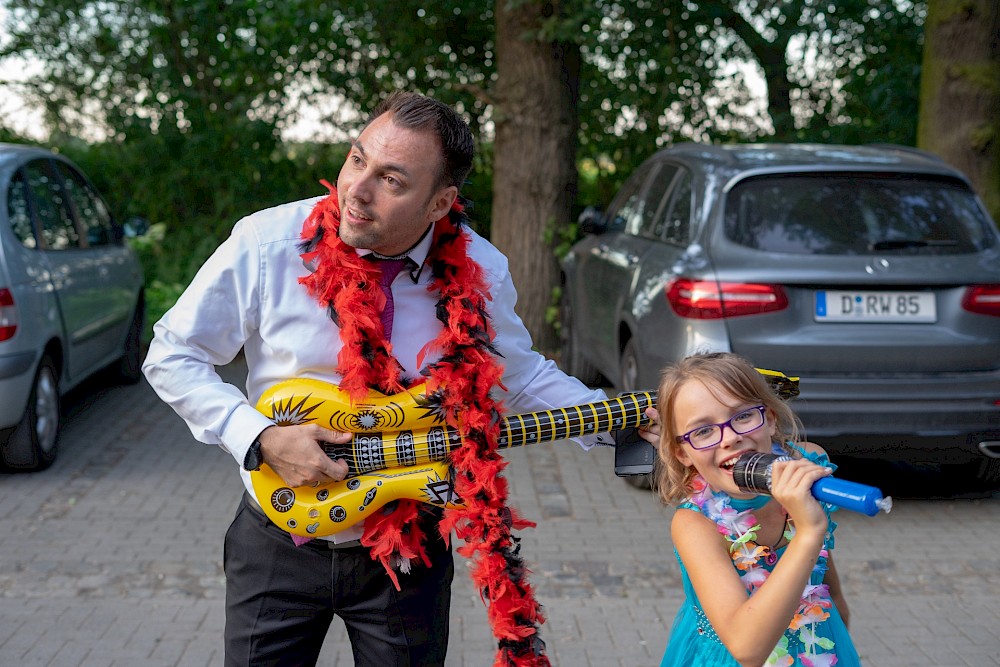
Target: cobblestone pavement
{"type": "Point", "coordinates": [113, 557]}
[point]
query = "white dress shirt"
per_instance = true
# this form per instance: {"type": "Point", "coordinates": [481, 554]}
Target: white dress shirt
{"type": "Point", "coordinates": [247, 296]}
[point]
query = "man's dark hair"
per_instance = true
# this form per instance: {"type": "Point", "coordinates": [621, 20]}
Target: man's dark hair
{"type": "Point", "coordinates": [418, 112]}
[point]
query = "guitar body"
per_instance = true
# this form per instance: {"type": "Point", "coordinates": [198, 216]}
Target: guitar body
{"type": "Point", "coordinates": [399, 451]}
{"type": "Point", "coordinates": [330, 508]}
{"type": "Point", "coordinates": [401, 445]}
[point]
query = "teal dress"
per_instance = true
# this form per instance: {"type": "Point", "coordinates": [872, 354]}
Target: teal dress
{"type": "Point", "coordinates": [821, 642]}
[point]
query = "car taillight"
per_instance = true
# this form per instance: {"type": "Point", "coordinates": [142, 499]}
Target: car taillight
{"type": "Point", "coordinates": [8, 314]}
{"type": "Point", "coordinates": [982, 299]}
{"type": "Point", "coordinates": [710, 300]}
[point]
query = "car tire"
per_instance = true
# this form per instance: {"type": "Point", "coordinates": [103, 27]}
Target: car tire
{"type": "Point", "coordinates": [34, 442]}
{"type": "Point", "coordinates": [644, 482]}
{"type": "Point", "coordinates": [573, 361]}
{"type": "Point", "coordinates": [628, 381]}
{"type": "Point", "coordinates": [129, 368]}
{"type": "Point", "coordinates": [628, 369]}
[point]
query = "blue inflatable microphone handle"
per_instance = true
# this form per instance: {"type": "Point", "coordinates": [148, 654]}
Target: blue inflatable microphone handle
{"type": "Point", "coordinates": [851, 496]}
{"type": "Point", "coordinates": [752, 473]}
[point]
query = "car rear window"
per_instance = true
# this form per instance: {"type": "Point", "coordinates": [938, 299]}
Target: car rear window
{"type": "Point", "coordinates": [856, 213]}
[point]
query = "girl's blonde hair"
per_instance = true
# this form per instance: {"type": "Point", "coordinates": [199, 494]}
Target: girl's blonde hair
{"type": "Point", "coordinates": [735, 376]}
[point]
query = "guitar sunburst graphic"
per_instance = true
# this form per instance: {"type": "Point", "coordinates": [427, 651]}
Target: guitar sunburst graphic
{"type": "Point", "coordinates": [290, 413]}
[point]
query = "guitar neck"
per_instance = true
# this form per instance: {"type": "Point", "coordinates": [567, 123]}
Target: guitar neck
{"type": "Point", "coordinates": [560, 423]}
{"type": "Point", "coordinates": [379, 451]}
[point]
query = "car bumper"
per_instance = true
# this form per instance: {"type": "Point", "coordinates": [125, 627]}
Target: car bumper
{"type": "Point", "coordinates": [944, 414]}
{"type": "Point", "coordinates": [16, 376]}
{"type": "Point", "coordinates": [959, 449]}
{"type": "Point", "coordinates": [922, 418]}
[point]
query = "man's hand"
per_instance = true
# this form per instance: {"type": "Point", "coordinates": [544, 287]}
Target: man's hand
{"type": "Point", "coordinates": [295, 453]}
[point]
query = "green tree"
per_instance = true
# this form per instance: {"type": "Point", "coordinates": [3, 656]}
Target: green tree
{"type": "Point", "coordinates": [960, 91]}
{"type": "Point", "coordinates": [535, 180]}
{"type": "Point", "coordinates": [191, 94]}
{"type": "Point", "coordinates": [200, 90]}
{"type": "Point", "coordinates": [878, 98]}
{"type": "Point", "coordinates": [659, 73]}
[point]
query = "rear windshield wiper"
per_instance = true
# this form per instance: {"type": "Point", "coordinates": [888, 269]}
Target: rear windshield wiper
{"type": "Point", "coordinates": [902, 244]}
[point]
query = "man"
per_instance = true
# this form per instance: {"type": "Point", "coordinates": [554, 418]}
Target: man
{"type": "Point", "coordinates": [295, 287]}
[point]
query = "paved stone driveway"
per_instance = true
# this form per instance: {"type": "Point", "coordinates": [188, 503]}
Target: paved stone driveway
{"type": "Point", "coordinates": [113, 558]}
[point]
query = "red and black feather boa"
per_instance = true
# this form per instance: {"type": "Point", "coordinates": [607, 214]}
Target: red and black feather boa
{"type": "Point", "coordinates": [462, 380]}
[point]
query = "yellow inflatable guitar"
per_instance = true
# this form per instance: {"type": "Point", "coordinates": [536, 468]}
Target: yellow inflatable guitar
{"type": "Point", "coordinates": [401, 446]}
{"type": "Point", "coordinates": [400, 449]}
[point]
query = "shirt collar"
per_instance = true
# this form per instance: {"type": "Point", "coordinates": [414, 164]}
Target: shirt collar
{"type": "Point", "coordinates": [417, 254]}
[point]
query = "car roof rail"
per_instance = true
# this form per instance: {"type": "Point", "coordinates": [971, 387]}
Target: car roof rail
{"type": "Point", "coordinates": [907, 149]}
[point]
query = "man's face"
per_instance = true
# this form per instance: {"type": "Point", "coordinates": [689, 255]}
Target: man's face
{"type": "Point", "coordinates": [388, 187]}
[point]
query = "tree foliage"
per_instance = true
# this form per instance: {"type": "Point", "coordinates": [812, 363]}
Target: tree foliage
{"type": "Point", "coordinates": [189, 105]}
{"type": "Point", "coordinates": [192, 95]}
{"type": "Point", "coordinates": [658, 73]}
{"type": "Point", "coordinates": [653, 72]}
{"type": "Point", "coordinates": [960, 92]}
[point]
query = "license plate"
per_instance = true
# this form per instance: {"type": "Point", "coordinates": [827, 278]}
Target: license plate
{"type": "Point", "coordinates": [835, 306]}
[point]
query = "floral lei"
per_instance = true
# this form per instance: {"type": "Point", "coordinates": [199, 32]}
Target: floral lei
{"type": "Point", "coordinates": [460, 382]}
{"type": "Point", "coordinates": [740, 531]}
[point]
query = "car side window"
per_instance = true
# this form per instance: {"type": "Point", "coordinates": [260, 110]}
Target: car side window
{"type": "Point", "coordinates": [674, 220]}
{"type": "Point", "coordinates": [627, 206]}
{"type": "Point", "coordinates": [655, 193]}
{"type": "Point", "coordinates": [58, 229]}
{"type": "Point", "coordinates": [95, 220]}
{"type": "Point", "coordinates": [19, 213]}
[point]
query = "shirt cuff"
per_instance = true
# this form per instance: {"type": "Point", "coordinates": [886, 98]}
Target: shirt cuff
{"type": "Point", "coordinates": [241, 429]}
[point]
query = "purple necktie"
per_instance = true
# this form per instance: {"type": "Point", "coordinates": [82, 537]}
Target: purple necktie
{"type": "Point", "coordinates": [390, 269]}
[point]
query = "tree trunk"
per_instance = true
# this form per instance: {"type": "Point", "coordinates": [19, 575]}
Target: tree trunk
{"type": "Point", "coordinates": [960, 91]}
{"type": "Point", "coordinates": [534, 158]}
{"type": "Point", "coordinates": [772, 56]}
{"type": "Point", "coordinates": [779, 97]}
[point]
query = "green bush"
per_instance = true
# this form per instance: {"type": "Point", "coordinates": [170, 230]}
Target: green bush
{"type": "Point", "coordinates": [193, 189]}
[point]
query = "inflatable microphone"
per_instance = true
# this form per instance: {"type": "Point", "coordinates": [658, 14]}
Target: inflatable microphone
{"type": "Point", "coordinates": [752, 473]}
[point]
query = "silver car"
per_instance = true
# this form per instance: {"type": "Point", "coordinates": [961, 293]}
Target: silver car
{"type": "Point", "coordinates": [71, 298]}
{"type": "Point", "coordinates": [872, 273]}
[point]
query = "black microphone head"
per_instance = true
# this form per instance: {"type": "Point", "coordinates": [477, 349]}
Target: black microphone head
{"type": "Point", "coordinates": [752, 472]}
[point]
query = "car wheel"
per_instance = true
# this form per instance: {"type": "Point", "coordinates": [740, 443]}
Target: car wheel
{"type": "Point", "coordinates": [629, 367]}
{"type": "Point", "coordinates": [645, 482]}
{"type": "Point", "coordinates": [573, 362]}
{"type": "Point", "coordinates": [35, 439]}
{"type": "Point", "coordinates": [641, 481]}
{"type": "Point", "coordinates": [629, 381]}
{"type": "Point", "coordinates": [130, 364]}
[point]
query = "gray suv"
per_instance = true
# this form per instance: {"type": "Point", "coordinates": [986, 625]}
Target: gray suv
{"type": "Point", "coordinates": [71, 298]}
{"type": "Point", "coordinates": [872, 273]}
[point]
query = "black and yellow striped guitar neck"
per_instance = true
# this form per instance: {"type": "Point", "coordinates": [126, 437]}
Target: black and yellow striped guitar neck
{"type": "Point", "coordinates": [408, 428]}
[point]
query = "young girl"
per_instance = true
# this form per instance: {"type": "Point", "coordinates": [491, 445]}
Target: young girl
{"type": "Point", "coordinates": [758, 571]}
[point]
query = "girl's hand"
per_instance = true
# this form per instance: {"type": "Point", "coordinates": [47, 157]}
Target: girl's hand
{"type": "Point", "coordinates": [651, 433]}
{"type": "Point", "coordinates": [791, 485]}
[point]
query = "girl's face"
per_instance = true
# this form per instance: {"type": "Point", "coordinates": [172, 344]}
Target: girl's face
{"type": "Point", "coordinates": [697, 404]}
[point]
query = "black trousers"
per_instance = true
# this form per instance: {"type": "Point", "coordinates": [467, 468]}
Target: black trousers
{"type": "Point", "coordinates": [281, 599]}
